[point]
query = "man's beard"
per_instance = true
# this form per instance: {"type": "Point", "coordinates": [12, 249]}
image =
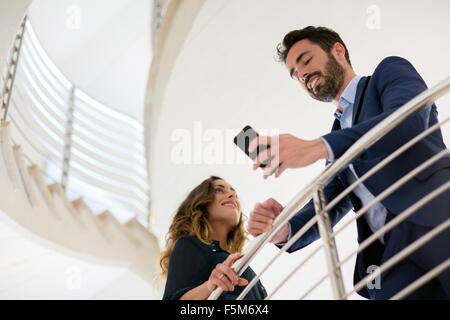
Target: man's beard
{"type": "Point", "coordinates": [333, 79]}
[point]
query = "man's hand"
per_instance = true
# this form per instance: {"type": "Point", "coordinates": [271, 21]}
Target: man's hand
{"type": "Point", "coordinates": [262, 217]}
{"type": "Point", "coordinates": [287, 151]}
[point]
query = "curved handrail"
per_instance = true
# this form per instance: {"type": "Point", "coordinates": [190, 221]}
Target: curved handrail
{"type": "Point", "coordinates": [366, 141]}
{"type": "Point", "coordinates": [356, 216]}
{"type": "Point", "coordinates": [76, 134]}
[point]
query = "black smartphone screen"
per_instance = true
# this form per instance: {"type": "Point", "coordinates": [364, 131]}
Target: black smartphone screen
{"type": "Point", "coordinates": [243, 139]}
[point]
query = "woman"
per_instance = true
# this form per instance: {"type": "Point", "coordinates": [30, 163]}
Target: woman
{"type": "Point", "coordinates": [207, 227]}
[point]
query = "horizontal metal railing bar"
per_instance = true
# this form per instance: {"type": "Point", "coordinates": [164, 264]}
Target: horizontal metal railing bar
{"type": "Point", "coordinates": [49, 156]}
{"type": "Point", "coordinates": [127, 185]}
{"type": "Point", "coordinates": [110, 201]}
{"type": "Point", "coordinates": [89, 104]}
{"type": "Point", "coordinates": [32, 145]}
{"type": "Point", "coordinates": [384, 127]}
{"type": "Point", "coordinates": [405, 214]}
{"type": "Point", "coordinates": [363, 143]}
{"type": "Point", "coordinates": [100, 153]}
{"type": "Point", "coordinates": [25, 93]}
{"type": "Point", "coordinates": [32, 62]}
{"type": "Point", "coordinates": [54, 180]}
{"type": "Point", "coordinates": [39, 127]}
{"type": "Point", "coordinates": [107, 142]}
{"type": "Point", "coordinates": [34, 69]}
{"type": "Point", "coordinates": [90, 149]}
{"type": "Point", "coordinates": [401, 255]}
{"type": "Point", "coordinates": [105, 115]}
{"type": "Point", "coordinates": [295, 270]}
{"type": "Point", "coordinates": [32, 90]}
{"type": "Point", "coordinates": [132, 190]}
{"type": "Point", "coordinates": [387, 227]}
{"type": "Point", "coordinates": [283, 249]}
{"type": "Point", "coordinates": [94, 129]}
{"type": "Point", "coordinates": [44, 57]}
{"type": "Point", "coordinates": [135, 205]}
{"type": "Point", "coordinates": [256, 245]}
{"type": "Point", "coordinates": [422, 280]}
{"type": "Point", "coordinates": [31, 151]}
{"type": "Point", "coordinates": [383, 163]}
{"type": "Point", "coordinates": [366, 243]}
{"type": "Point", "coordinates": [108, 111]}
{"type": "Point", "coordinates": [311, 289]}
{"type": "Point", "coordinates": [36, 79]}
{"type": "Point", "coordinates": [75, 150]}
{"type": "Point", "coordinates": [58, 75]}
{"type": "Point", "coordinates": [46, 92]}
{"type": "Point", "coordinates": [90, 128]}
{"type": "Point", "coordinates": [108, 170]}
{"type": "Point", "coordinates": [42, 113]}
{"type": "Point", "coordinates": [91, 119]}
{"type": "Point", "coordinates": [90, 179]}
{"type": "Point", "coordinates": [125, 194]}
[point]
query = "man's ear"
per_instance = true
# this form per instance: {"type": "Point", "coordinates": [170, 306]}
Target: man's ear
{"type": "Point", "coordinates": [339, 51]}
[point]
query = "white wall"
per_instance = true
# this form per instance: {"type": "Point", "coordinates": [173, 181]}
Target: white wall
{"type": "Point", "coordinates": [226, 77]}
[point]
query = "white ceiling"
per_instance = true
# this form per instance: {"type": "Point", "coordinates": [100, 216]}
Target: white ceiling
{"type": "Point", "coordinates": [226, 77]}
{"type": "Point", "coordinates": [104, 50]}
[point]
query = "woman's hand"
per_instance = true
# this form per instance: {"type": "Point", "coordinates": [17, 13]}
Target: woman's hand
{"type": "Point", "coordinates": [224, 276]}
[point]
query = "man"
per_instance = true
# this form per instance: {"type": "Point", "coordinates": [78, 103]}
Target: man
{"type": "Point", "coordinates": [318, 59]}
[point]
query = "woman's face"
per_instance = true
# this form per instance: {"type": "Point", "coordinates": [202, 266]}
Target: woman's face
{"type": "Point", "coordinates": [225, 207]}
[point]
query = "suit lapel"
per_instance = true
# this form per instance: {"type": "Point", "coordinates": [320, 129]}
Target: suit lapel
{"type": "Point", "coordinates": [336, 125]}
{"type": "Point", "coordinates": [359, 95]}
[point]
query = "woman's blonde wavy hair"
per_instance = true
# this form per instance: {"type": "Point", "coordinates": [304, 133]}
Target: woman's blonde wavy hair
{"type": "Point", "coordinates": [191, 219]}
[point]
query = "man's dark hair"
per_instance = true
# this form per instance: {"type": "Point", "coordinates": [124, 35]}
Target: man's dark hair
{"type": "Point", "coordinates": [324, 37]}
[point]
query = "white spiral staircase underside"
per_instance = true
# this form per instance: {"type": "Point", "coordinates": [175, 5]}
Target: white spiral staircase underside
{"type": "Point", "coordinates": [53, 248]}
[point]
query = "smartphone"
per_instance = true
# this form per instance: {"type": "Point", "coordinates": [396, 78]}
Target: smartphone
{"type": "Point", "coordinates": [243, 139]}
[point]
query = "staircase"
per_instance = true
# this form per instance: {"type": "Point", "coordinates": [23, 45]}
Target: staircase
{"type": "Point", "coordinates": [43, 214]}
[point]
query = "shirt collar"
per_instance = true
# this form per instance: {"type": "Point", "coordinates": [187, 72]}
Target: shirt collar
{"type": "Point", "coordinates": [347, 98]}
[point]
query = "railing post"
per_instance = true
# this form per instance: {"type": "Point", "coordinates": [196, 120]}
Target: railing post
{"type": "Point", "coordinates": [11, 69]}
{"type": "Point", "coordinates": [329, 243]}
{"type": "Point", "coordinates": [68, 139]}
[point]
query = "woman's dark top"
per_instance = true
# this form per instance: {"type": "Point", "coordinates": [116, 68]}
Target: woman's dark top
{"type": "Point", "coordinates": [191, 264]}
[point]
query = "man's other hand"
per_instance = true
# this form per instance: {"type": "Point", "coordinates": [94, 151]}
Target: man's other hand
{"type": "Point", "coordinates": [262, 217]}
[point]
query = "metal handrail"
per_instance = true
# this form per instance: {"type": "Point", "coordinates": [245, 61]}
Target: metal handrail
{"type": "Point", "coordinates": [387, 227]}
{"type": "Point", "coordinates": [105, 132]}
{"type": "Point", "coordinates": [108, 113]}
{"type": "Point", "coordinates": [79, 156]}
{"type": "Point", "coordinates": [337, 200]}
{"type": "Point", "coordinates": [29, 98]}
{"type": "Point", "coordinates": [43, 75]}
{"type": "Point", "coordinates": [366, 141]}
{"type": "Point", "coordinates": [113, 148]}
{"type": "Point", "coordinates": [41, 54]}
{"type": "Point", "coordinates": [108, 162]}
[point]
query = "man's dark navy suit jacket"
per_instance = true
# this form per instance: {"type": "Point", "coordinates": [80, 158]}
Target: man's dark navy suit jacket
{"type": "Point", "coordinates": [394, 82]}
